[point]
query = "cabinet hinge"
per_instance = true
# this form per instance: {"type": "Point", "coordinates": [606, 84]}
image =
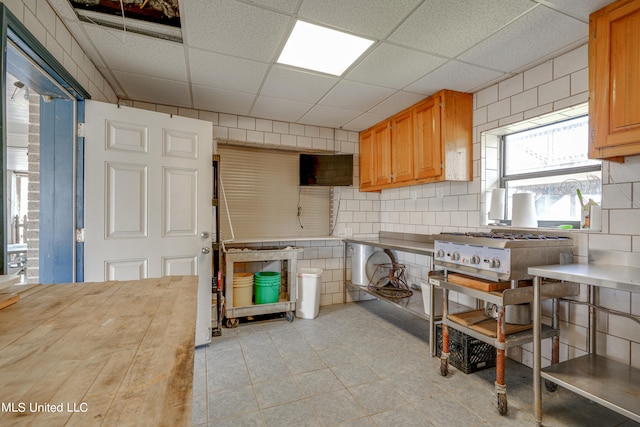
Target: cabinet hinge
{"type": "Point", "coordinates": [80, 130]}
{"type": "Point", "coordinates": [593, 135]}
{"type": "Point", "coordinates": [79, 235]}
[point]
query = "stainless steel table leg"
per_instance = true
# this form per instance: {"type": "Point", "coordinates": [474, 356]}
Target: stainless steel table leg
{"type": "Point", "coordinates": [444, 354]}
{"type": "Point", "coordinates": [501, 385]}
{"type": "Point", "coordinates": [537, 351]}
{"type": "Point", "coordinates": [344, 273]}
{"type": "Point", "coordinates": [432, 323]}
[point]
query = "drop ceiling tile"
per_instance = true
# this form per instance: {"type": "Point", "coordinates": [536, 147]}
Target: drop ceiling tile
{"type": "Point", "coordinates": [279, 109]}
{"type": "Point", "coordinates": [133, 53]}
{"type": "Point", "coordinates": [449, 27]}
{"type": "Point", "coordinates": [234, 28]}
{"type": "Point", "coordinates": [578, 9]}
{"type": "Point", "coordinates": [373, 18]}
{"type": "Point", "coordinates": [296, 85]}
{"type": "Point", "coordinates": [328, 116]}
{"type": "Point", "coordinates": [225, 72]}
{"type": "Point", "coordinates": [112, 81]}
{"type": "Point", "coordinates": [396, 102]}
{"type": "Point", "coordinates": [89, 49]}
{"type": "Point", "coordinates": [355, 96]}
{"type": "Point", "coordinates": [454, 75]}
{"type": "Point", "coordinates": [231, 45]}
{"type": "Point", "coordinates": [364, 121]}
{"type": "Point", "coordinates": [288, 6]}
{"type": "Point", "coordinates": [63, 9]}
{"type": "Point", "coordinates": [535, 35]}
{"type": "Point", "coordinates": [393, 67]}
{"type": "Point", "coordinates": [152, 89]}
{"type": "Point", "coordinates": [220, 100]}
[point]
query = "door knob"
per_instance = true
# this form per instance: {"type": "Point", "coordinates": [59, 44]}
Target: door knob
{"type": "Point", "coordinates": [204, 235]}
{"type": "Point", "coordinates": [206, 250]}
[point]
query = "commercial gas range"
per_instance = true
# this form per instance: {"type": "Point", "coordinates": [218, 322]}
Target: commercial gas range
{"type": "Point", "coordinates": [499, 255]}
{"type": "Point", "coordinates": [505, 320]}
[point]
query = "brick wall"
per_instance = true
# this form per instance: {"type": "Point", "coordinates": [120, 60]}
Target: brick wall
{"type": "Point", "coordinates": [33, 195]}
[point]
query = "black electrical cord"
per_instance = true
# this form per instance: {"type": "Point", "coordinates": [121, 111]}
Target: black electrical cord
{"type": "Point", "coordinates": [299, 207]}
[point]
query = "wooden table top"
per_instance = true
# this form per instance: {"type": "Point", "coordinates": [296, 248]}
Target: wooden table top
{"type": "Point", "coordinates": [99, 354]}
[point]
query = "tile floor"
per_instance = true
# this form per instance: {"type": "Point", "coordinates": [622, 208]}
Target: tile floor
{"type": "Point", "coordinates": [361, 364]}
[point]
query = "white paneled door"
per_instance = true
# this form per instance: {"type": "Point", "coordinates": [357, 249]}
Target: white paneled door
{"type": "Point", "coordinates": [148, 186]}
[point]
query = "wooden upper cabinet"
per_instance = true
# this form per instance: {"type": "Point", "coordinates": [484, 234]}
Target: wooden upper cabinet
{"type": "Point", "coordinates": [428, 142]}
{"type": "Point", "coordinates": [427, 147]}
{"type": "Point", "coordinates": [382, 154]}
{"type": "Point", "coordinates": [366, 158]}
{"type": "Point", "coordinates": [402, 146]}
{"type": "Point", "coordinates": [456, 130]}
{"type": "Point", "coordinates": [614, 80]}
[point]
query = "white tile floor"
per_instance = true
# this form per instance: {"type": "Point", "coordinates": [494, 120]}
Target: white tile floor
{"type": "Point", "coordinates": [361, 364]}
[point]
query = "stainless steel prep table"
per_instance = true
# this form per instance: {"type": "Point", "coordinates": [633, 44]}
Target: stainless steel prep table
{"type": "Point", "coordinates": [419, 244]}
{"type": "Point", "coordinates": [612, 384]}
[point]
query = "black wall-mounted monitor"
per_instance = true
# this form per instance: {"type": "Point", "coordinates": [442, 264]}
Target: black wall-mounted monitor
{"type": "Point", "coordinates": [326, 169]}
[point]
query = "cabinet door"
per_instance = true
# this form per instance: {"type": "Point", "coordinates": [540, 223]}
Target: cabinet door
{"type": "Point", "coordinates": [366, 159]}
{"type": "Point", "coordinates": [382, 153]}
{"type": "Point", "coordinates": [402, 146]}
{"type": "Point", "coordinates": [614, 59]}
{"type": "Point", "coordinates": [427, 146]}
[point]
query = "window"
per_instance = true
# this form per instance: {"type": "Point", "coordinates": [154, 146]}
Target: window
{"type": "Point", "coordinates": [552, 163]}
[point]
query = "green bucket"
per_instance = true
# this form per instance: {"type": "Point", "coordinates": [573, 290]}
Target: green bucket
{"type": "Point", "coordinates": [267, 287]}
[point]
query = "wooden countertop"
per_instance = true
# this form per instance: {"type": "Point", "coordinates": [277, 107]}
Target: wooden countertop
{"type": "Point", "coordinates": [99, 354]}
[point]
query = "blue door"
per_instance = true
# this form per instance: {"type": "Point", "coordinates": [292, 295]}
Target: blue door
{"type": "Point", "coordinates": [57, 204]}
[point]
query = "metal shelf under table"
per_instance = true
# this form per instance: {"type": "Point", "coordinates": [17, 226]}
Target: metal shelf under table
{"type": "Point", "coordinates": [510, 340]}
{"type": "Point", "coordinates": [611, 384]}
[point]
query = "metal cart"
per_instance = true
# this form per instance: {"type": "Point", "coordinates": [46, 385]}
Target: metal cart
{"type": "Point", "coordinates": [503, 338]}
{"type": "Point", "coordinates": [288, 306]}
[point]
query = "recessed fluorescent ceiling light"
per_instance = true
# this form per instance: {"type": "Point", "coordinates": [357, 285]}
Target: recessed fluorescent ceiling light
{"type": "Point", "coordinates": [322, 49]}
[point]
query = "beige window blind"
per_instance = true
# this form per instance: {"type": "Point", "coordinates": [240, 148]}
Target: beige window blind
{"type": "Point", "coordinates": [264, 199]}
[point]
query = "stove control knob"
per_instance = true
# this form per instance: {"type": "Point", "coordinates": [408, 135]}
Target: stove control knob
{"type": "Point", "coordinates": [455, 256]}
{"type": "Point", "coordinates": [495, 263]}
{"type": "Point", "coordinates": [440, 253]}
{"type": "Point", "coordinates": [475, 259]}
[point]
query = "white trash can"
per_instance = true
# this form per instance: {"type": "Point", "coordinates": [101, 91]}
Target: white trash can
{"type": "Point", "coordinates": [308, 301]}
{"type": "Point", "coordinates": [426, 299]}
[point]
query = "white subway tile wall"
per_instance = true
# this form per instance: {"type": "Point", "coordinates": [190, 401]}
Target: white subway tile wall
{"type": "Point", "coordinates": [556, 84]}
{"type": "Point", "coordinates": [552, 86]}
